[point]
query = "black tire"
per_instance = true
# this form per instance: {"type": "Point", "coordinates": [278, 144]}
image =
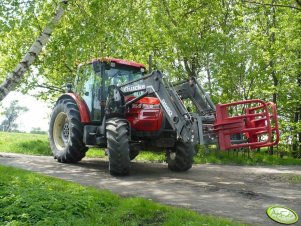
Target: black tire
{"type": "Point", "coordinates": [133, 155]}
{"type": "Point", "coordinates": [66, 132]}
{"type": "Point", "coordinates": [118, 146]}
{"type": "Point", "coordinates": [181, 158]}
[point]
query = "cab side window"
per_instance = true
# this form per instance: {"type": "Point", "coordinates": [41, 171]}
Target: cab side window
{"type": "Point", "coordinates": [85, 80]}
{"type": "Point", "coordinates": [87, 86]}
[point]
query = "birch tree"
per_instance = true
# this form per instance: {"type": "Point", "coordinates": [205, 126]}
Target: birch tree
{"type": "Point", "coordinates": [15, 77]}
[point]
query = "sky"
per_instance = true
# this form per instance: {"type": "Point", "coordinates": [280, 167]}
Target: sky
{"type": "Point", "coordinates": [37, 116]}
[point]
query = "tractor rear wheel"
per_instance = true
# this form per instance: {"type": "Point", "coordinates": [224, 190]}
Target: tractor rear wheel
{"type": "Point", "coordinates": [66, 132]}
{"type": "Point", "coordinates": [118, 146]}
{"type": "Point", "coordinates": [181, 158]}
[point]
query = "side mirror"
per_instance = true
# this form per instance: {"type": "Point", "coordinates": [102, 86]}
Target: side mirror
{"type": "Point", "coordinates": [96, 66]}
{"type": "Point", "coordinates": [69, 88]}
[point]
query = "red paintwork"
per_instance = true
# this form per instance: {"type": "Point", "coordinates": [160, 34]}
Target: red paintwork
{"type": "Point", "coordinates": [145, 114]}
{"type": "Point", "coordinates": [259, 125]}
{"type": "Point", "coordinates": [120, 61]}
{"type": "Point", "coordinates": [82, 106]}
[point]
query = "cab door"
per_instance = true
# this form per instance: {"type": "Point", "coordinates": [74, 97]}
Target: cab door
{"type": "Point", "coordinates": [87, 86]}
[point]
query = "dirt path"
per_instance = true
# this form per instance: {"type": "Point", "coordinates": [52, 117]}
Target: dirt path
{"type": "Point", "coordinates": [238, 192]}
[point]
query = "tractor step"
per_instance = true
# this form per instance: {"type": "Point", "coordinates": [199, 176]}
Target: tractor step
{"type": "Point", "coordinates": [255, 127]}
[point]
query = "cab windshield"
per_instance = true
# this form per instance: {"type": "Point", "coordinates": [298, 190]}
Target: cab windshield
{"type": "Point", "coordinates": [120, 76]}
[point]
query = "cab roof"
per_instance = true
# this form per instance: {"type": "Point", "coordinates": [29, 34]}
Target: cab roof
{"type": "Point", "coordinates": [119, 61]}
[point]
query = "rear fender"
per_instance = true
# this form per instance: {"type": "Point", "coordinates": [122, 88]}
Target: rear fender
{"type": "Point", "coordinates": [81, 104]}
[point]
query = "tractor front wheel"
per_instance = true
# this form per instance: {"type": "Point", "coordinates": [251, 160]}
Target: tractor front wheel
{"type": "Point", "coordinates": [66, 132]}
{"type": "Point", "coordinates": [118, 146]}
{"type": "Point", "coordinates": [181, 157]}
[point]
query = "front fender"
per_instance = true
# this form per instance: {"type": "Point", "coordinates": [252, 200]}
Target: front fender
{"type": "Point", "coordinates": [81, 104]}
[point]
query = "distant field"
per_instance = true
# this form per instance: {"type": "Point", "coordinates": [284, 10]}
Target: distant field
{"type": "Point", "coordinates": [25, 143]}
{"type": "Point", "coordinates": [37, 144]}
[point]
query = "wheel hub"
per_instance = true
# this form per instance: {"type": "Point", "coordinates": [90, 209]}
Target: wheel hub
{"type": "Point", "coordinates": [65, 132]}
{"type": "Point", "coordinates": [61, 131]}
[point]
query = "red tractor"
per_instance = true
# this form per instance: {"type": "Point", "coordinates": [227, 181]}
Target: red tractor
{"type": "Point", "coordinates": [116, 105]}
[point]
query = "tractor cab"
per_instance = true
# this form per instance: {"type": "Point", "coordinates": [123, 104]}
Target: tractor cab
{"type": "Point", "coordinates": [94, 78]}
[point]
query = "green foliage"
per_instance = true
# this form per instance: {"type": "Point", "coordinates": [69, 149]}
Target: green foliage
{"type": "Point", "coordinates": [11, 113]}
{"type": "Point", "coordinates": [37, 130]}
{"type": "Point", "coordinates": [32, 199]}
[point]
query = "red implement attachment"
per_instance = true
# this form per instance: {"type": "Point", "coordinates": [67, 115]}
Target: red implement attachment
{"type": "Point", "coordinates": [256, 127]}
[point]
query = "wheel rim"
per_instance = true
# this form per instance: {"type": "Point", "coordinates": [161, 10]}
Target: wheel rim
{"type": "Point", "coordinates": [61, 131]}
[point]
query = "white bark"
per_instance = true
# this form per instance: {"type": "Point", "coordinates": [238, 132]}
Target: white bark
{"type": "Point", "coordinates": [15, 77]}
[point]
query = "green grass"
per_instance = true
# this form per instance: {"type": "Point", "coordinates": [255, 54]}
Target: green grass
{"type": "Point", "coordinates": [143, 155]}
{"type": "Point", "coordinates": [28, 198]}
{"type": "Point", "coordinates": [25, 143]}
{"type": "Point", "coordinates": [151, 156]}
{"type": "Point", "coordinates": [291, 178]}
{"type": "Point", "coordinates": [37, 144]}
{"type": "Point", "coordinates": [96, 153]}
{"type": "Point", "coordinates": [235, 157]}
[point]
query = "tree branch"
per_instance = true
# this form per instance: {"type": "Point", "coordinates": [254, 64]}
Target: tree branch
{"type": "Point", "coordinates": [169, 13]}
{"type": "Point", "coordinates": [68, 68]}
{"type": "Point", "coordinates": [202, 5]}
{"type": "Point", "coordinates": [275, 5]}
{"type": "Point", "coordinates": [49, 87]}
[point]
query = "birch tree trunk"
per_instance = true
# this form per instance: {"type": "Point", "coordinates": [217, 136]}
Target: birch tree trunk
{"type": "Point", "coordinates": [15, 77]}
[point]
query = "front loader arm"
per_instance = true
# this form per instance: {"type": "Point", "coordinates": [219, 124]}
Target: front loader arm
{"type": "Point", "coordinates": [255, 126]}
{"type": "Point", "coordinates": [176, 113]}
{"type": "Point", "coordinates": [193, 90]}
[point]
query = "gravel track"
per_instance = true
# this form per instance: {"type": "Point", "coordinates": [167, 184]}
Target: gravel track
{"type": "Point", "coordinates": [238, 192]}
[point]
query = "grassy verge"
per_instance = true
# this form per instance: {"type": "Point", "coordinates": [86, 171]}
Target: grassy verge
{"type": "Point", "coordinates": [37, 144]}
{"type": "Point", "coordinates": [236, 157]}
{"type": "Point", "coordinates": [28, 198]}
{"type": "Point", "coordinates": [25, 143]}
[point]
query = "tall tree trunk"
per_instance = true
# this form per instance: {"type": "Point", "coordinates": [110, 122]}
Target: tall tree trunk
{"type": "Point", "coordinates": [209, 80]}
{"type": "Point", "coordinates": [272, 65]}
{"type": "Point", "coordinates": [299, 136]}
{"type": "Point", "coordinates": [295, 151]}
{"type": "Point", "coordinates": [297, 118]}
{"type": "Point", "coordinates": [15, 77]}
{"type": "Point", "coordinates": [299, 132]}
